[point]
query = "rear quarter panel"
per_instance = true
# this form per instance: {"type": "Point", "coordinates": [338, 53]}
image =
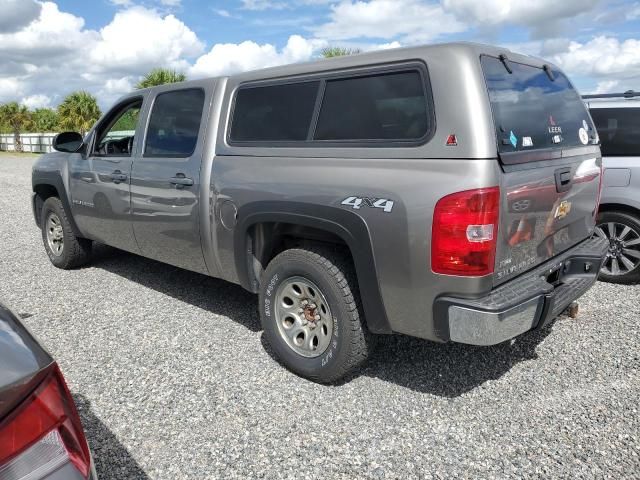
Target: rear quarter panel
{"type": "Point", "coordinates": [400, 239]}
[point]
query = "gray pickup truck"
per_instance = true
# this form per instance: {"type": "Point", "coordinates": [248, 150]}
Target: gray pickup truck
{"type": "Point", "coordinates": [447, 192]}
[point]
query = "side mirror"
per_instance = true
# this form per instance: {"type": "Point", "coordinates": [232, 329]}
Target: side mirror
{"type": "Point", "coordinates": [69, 142]}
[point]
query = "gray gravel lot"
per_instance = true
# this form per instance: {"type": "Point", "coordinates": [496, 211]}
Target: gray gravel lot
{"type": "Point", "coordinates": [172, 380]}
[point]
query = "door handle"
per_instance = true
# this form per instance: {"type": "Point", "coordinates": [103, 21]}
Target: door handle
{"type": "Point", "coordinates": [563, 179]}
{"type": "Point", "coordinates": [117, 177]}
{"type": "Point", "coordinates": [181, 181]}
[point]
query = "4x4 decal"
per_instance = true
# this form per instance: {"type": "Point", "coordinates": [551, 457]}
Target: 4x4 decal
{"type": "Point", "coordinates": [358, 202]}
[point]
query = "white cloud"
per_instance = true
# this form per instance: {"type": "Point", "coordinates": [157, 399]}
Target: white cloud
{"type": "Point", "coordinates": [602, 57]}
{"type": "Point", "coordinates": [17, 14]}
{"type": "Point", "coordinates": [413, 20]}
{"type": "Point", "coordinates": [606, 86]}
{"type": "Point", "coordinates": [56, 54]}
{"type": "Point", "coordinates": [36, 101]}
{"type": "Point", "coordinates": [634, 12]}
{"type": "Point", "coordinates": [118, 85]}
{"type": "Point", "coordinates": [53, 35]}
{"type": "Point", "coordinates": [10, 89]}
{"type": "Point", "coordinates": [385, 46]}
{"type": "Point", "coordinates": [543, 16]}
{"type": "Point", "coordinates": [139, 39]}
{"type": "Point", "coordinates": [263, 5]}
{"type": "Point", "coordinates": [227, 58]}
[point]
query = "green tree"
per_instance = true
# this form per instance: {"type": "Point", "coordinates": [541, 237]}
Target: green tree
{"type": "Point", "coordinates": [45, 120]}
{"type": "Point", "coordinates": [128, 121]}
{"type": "Point", "coordinates": [17, 118]}
{"type": "Point", "coordinates": [330, 52]}
{"type": "Point", "coordinates": [161, 76]}
{"type": "Point", "coordinates": [78, 112]}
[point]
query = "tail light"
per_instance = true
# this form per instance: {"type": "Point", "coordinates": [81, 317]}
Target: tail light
{"type": "Point", "coordinates": [43, 433]}
{"type": "Point", "coordinates": [465, 231]}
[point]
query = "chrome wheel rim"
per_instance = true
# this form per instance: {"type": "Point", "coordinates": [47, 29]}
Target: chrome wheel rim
{"type": "Point", "coordinates": [55, 234]}
{"type": "Point", "coordinates": [623, 255]}
{"type": "Point", "coordinates": [303, 316]}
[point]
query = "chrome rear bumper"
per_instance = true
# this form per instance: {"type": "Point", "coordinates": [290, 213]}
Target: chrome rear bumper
{"type": "Point", "coordinates": [525, 302]}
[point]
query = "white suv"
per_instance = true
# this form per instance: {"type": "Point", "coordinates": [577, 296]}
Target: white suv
{"type": "Point", "coordinates": [617, 120]}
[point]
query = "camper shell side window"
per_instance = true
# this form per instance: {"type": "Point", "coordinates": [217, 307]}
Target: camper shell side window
{"type": "Point", "coordinates": [383, 107]}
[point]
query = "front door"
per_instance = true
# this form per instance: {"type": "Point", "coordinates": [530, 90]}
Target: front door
{"type": "Point", "coordinates": [99, 182]}
{"type": "Point", "coordinates": [165, 179]}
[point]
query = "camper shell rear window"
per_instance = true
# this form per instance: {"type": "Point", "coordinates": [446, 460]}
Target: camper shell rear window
{"type": "Point", "coordinates": [534, 108]}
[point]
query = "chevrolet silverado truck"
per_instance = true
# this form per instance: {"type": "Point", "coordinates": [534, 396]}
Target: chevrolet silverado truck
{"type": "Point", "coordinates": [446, 192]}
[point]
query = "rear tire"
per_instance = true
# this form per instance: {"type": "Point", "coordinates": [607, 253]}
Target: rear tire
{"type": "Point", "coordinates": [325, 338]}
{"type": "Point", "coordinates": [65, 250]}
{"type": "Point", "coordinates": [622, 230]}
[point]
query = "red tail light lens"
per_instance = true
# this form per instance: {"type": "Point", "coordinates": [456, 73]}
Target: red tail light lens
{"type": "Point", "coordinates": [49, 408]}
{"type": "Point", "coordinates": [465, 232]}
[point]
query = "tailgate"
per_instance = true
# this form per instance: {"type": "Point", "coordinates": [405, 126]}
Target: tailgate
{"type": "Point", "coordinates": [551, 164]}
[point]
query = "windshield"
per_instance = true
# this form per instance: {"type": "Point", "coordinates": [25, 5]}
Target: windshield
{"type": "Point", "coordinates": [531, 111]}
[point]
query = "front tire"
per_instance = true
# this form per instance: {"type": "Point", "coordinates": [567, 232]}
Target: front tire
{"type": "Point", "coordinates": [311, 314]}
{"type": "Point", "coordinates": [63, 248]}
{"type": "Point", "coordinates": [622, 231]}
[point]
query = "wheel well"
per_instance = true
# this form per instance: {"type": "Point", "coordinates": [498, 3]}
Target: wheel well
{"type": "Point", "coordinates": [43, 191]}
{"type": "Point", "coordinates": [619, 207]}
{"type": "Point", "coordinates": [268, 239]}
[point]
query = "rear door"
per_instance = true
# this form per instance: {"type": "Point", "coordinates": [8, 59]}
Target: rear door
{"type": "Point", "coordinates": [551, 162]}
{"type": "Point", "coordinates": [619, 131]}
{"type": "Point", "coordinates": [165, 180]}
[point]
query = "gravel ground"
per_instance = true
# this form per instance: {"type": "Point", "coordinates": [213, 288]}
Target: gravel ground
{"type": "Point", "coordinates": [172, 380]}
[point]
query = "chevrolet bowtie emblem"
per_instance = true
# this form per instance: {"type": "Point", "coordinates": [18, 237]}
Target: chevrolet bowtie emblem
{"type": "Point", "coordinates": [562, 210]}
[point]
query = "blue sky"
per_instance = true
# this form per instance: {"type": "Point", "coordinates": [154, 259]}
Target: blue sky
{"type": "Point", "coordinates": [49, 48]}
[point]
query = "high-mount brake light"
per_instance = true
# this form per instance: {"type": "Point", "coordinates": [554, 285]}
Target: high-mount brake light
{"type": "Point", "coordinates": [44, 432]}
{"type": "Point", "coordinates": [464, 234]}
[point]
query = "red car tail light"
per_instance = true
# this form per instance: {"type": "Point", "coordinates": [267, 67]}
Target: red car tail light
{"type": "Point", "coordinates": [45, 423]}
{"type": "Point", "coordinates": [465, 232]}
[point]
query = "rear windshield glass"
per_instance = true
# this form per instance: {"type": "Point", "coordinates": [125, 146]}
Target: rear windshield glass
{"type": "Point", "coordinates": [619, 130]}
{"type": "Point", "coordinates": [531, 111]}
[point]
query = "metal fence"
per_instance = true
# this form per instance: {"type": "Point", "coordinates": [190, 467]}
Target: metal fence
{"type": "Point", "coordinates": [31, 142]}
{"type": "Point", "coordinates": [41, 142]}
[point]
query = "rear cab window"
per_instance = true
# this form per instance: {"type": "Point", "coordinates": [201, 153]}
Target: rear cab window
{"type": "Point", "coordinates": [377, 107]}
{"type": "Point", "coordinates": [174, 123]}
{"type": "Point", "coordinates": [531, 111]}
{"type": "Point", "coordinates": [619, 130]}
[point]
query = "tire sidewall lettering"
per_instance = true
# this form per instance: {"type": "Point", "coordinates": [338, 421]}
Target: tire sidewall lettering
{"type": "Point", "coordinates": [269, 293]}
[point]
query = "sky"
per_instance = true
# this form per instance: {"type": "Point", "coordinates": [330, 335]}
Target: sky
{"type": "Point", "coordinates": [51, 48]}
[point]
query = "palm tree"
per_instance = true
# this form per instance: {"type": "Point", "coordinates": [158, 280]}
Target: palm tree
{"type": "Point", "coordinates": [161, 76]}
{"type": "Point", "coordinates": [78, 112]}
{"type": "Point", "coordinates": [45, 120]}
{"type": "Point", "coordinates": [330, 52]}
{"type": "Point", "coordinates": [17, 118]}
